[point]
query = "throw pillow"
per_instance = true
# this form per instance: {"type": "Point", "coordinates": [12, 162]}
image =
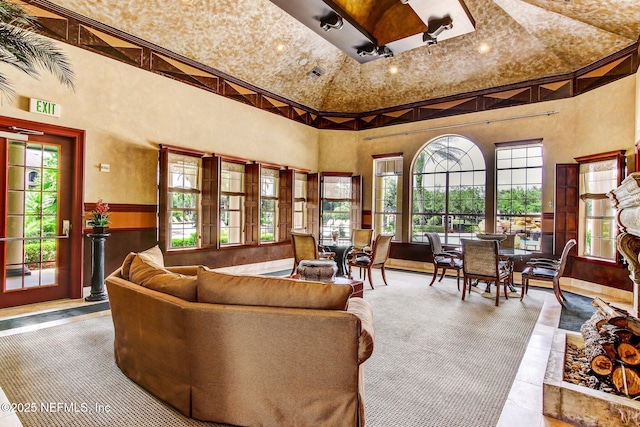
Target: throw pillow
{"type": "Point", "coordinates": [126, 265]}
{"type": "Point", "coordinates": [153, 256]}
{"type": "Point", "coordinates": [223, 288]}
{"type": "Point", "coordinates": [161, 280]}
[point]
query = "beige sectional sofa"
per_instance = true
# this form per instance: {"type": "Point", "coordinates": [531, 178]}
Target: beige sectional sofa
{"type": "Point", "coordinates": [241, 350]}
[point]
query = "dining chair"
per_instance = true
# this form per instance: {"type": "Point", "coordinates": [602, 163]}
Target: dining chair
{"type": "Point", "coordinates": [376, 259]}
{"type": "Point", "coordinates": [361, 243]}
{"type": "Point", "coordinates": [305, 247]}
{"type": "Point", "coordinates": [442, 259]}
{"type": "Point", "coordinates": [547, 270]}
{"type": "Point", "coordinates": [481, 261]}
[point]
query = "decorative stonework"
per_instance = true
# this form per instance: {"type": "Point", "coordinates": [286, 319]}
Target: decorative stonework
{"type": "Point", "coordinates": [626, 199]}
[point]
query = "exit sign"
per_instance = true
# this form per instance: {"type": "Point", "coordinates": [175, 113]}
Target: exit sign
{"type": "Point", "coordinates": [47, 108]}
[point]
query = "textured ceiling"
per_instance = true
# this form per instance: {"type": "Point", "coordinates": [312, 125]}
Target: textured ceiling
{"type": "Point", "coordinates": [528, 40]}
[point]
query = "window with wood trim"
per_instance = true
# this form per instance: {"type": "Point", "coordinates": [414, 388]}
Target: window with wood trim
{"type": "Point", "coordinates": [598, 175]}
{"type": "Point", "coordinates": [269, 183]}
{"type": "Point", "coordinates": [300, 201]}
{"type": "Point", "coordinates": [519, 192]}
{"type": "Point", "coordinates": [387, 200]}
{"type": "Point", "coordinates": [232, 200]}
{"type": "Point", "coordinates": [341, 201]}
{"type": "Point", "coordinates": [180, 197]}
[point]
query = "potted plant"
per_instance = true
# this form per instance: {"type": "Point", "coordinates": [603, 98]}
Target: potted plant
{"type": "Point", "coordinates": [99, 217]}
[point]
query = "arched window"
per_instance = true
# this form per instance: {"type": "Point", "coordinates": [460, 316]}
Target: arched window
{"type": "Point", "coordinates": [448, 189]}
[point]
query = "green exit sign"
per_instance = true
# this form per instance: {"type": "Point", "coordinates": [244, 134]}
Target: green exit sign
{"type": "Point", "coordinates": [47, 108]}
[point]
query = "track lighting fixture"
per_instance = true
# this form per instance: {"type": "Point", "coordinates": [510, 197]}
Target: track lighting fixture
{"type": "Point", "coordinates": [373, 50]}
{"type": "Point", "coordinates": [435, 28]}
{"type": "Point", "coordinates": [331, 22]}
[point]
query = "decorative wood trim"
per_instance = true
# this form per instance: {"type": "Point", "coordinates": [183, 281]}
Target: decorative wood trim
{"type": "Point", "coordinates": [384, 156]}
{"type": "Point", "coordinates": [233, 159]}
{"type": "Point", "coordinates": [70, 28]}
{"type": "Point", "coordinates": [123, 207]}
{"type": "Point", "coordinates": [600, 156]}
{"type": "Point", "coordinates": [345, 174]}
{"type": "Point", "coordinates": [182, 150]}
{"type": "Point", "coordinates": [518, 143]}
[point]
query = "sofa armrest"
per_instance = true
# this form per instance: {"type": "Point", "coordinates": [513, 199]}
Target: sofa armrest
{"type": "Point", "coordinates": [187, 270]}
{"type": "Point", "coordinates": [364, 312]}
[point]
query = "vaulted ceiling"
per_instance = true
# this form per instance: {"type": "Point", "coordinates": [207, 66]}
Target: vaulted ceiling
{"type": "Point", "coordinates": [525, 40]}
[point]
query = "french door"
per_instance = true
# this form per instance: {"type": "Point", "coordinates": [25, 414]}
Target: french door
{"type": "Point", "coordinates": [40, 248]}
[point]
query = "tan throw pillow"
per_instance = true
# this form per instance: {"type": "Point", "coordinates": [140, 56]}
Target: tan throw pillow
{"type": "Point", "coordinates": [126, 265]}
{"type": "Point", "coordinates": [153, 256]}
{"type": "Point", "coordinates": [223, 288]}
{"type": "Point", "coordinates": [161, 280]}
{"type": "Point", "coordinates": [141, 272]}
{"type": "Point", "coordinates": [185, 287]}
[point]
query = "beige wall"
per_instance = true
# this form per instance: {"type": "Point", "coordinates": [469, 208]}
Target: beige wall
{"type": "Point", "coordinates": [127, 112]}
{"type": "Point", "coordinates": [598, 121]}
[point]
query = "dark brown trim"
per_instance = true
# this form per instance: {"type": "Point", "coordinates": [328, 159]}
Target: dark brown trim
{"type": "Point", "coordinates": [123, 207]}
{"type": "Point", "coordinates": [600, 156]}
{"type": "Point", "coordinates": [518, 143]}
{"type": "Point", "coordinates": [220, 83]}
{"type": "Point", "coordinates": [384, 156]}
{"type": "Point", "coordinates": [182, 150]}
{"type": "Point", "coordinates": [233, 159]}
{"type": "Point", "coordinates": [548, 215]}
{"type": "Point", "coordinates": [337, 174]}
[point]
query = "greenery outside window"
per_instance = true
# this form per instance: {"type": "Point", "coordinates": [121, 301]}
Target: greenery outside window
{"type": "Point", "coordinates": [232, 198]}
{"type": "Point", "coordinates": [184, 200]}
{"type": "Point", "coordinates": [268, 204]}
{"type": "Point", "coordinates": [519, 193]}
{"type": "Point", "coordinates": [336, 208]}
{"type": "Point", "coordinates": [300, 201]}
{"type": "Point", "coordinates": [597, 236]}
{"type": "Point", "coordinates": [387, 207]}
{"type": "Point", "coordinates": [448, 190]}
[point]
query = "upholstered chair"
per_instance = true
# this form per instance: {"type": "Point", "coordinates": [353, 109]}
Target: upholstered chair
{"type": "Point", "coordinates": [378, 257]}
{"type": "Point", "coordinates": [548, 270]}
{"type": "Point", "coordinates": [305, 247]}
{"type": "Point", "coordinates": [361, 242]}
{"type": "Point", "coordinates": [481, 261]}
{"type": "Point", "coordinates": [442, 259]}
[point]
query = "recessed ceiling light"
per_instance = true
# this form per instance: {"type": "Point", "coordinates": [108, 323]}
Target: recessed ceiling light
{"type": "Point", "coordinates": [393, 69]}
{"type": "Point", "coordinates": [303, 61]}
{"type": "Point", "coordinates": [484, 47]}
{"type": "Point", "coordinates": [280, 48]}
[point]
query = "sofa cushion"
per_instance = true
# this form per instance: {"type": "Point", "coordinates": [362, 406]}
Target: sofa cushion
{"type": "Point", "coordinates": [161, 280]}
{"type": "Point", "coordinates": [362, 309]}
{"type": "Point", "coordinates": [153, 256]}
{"type": "Point", "coordinates": [126, 265]}
{"type": "Point", "coordinates": [222, 288]}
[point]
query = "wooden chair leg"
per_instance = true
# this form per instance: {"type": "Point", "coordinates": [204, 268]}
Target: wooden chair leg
{"type": "Point", "coordinates": [458, 278]}
{"type": "Point", "coordinates": [444, 270]}
{"type": "Point", "coordinates": [464, 287]}
{"type": "Point", "coordinates": [384, 277]}
{"type": "Point", "coordinates": [525, 285]}
{"type": "Point", "coordinates": [370, 279]}
{"type": "Point", "coordinates": [556, 290]}
{"type": "Point", "coordinates": [435, 274]}
{"type": "Point", "coordinates": [497, 293]}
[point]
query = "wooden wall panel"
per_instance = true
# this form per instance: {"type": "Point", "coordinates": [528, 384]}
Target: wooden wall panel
{"type": "Point", "coordinates": [566, 213]}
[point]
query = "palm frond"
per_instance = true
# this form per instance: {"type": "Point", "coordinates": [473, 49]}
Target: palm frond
{"type": "Point", "coordinates": [27, 51]}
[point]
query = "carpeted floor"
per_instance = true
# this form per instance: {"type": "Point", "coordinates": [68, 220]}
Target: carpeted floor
{"type": "Point", "coordinates": [438, 361]}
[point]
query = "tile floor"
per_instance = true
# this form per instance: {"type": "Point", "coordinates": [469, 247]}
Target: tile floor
{"type": "Point", "coordinates": [524, 403]}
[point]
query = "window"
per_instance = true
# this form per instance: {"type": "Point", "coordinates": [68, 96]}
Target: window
{"type": "Point", "coordinates": [448, 193]}
{"type": "Point", "coordinates": [183, 200]}
{"type": "Point", "coordinates": [519, 193]}
{"type": "Point", "coordinates": [300, 201]}
{"type": "Point", "coordinates": [597, 230]}
{"type": "Point", "coordinates": [268, 204]}
{"type": "Point", "coordinates": [387, 190]}
{"type": "Point", "coordinates": [336, 203]}
{"type": "Point", "coordinates": [232, 198]}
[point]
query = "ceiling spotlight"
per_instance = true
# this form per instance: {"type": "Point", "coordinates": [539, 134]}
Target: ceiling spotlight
{"type": "Point", "coordinates": [393, 69]}
{"type": "Point", "coordinates": [280, 48]}
{"type": "Point", "coordinates": [484, 47]}
{"type": "Point", "coordinates": [373, 50]}
{"type": "Point", "coordinates": [435, 28]}
{"type": "Point", "coordinates": [331, 21]}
